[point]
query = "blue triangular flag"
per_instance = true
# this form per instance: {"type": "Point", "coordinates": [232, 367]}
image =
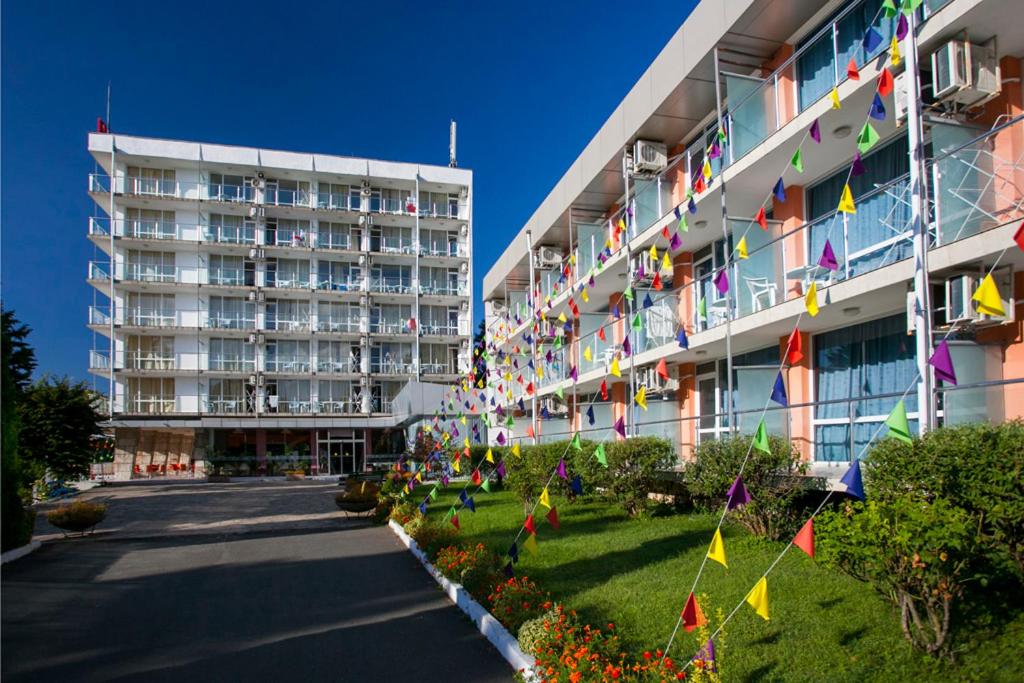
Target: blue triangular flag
{"type": "Point", "coordinates": [684, 342]}
{"type": "Point", "coordinates": [463, 496]}
{"type": "Point", "coordinates": [780, 191]}
{"type": "Point", "coordinates": [678, 213]}
{"type": "Point", "coordinates": [779, 392]}
{"type": "Point", "coordinates": [513, 552]}
{"type": "Point", "coordinates": [691, 206]}
{"type": "Point", "coordinates": [577, 485]}
{"type": "Point", "coordinates": [877, 108]}
{"type": "Point", "coordinates": [615, 311]}
{"type": "Point", "coordinates": [872, 39]}
{"type": "Point", "coordinates": [647, 300]}
{"type": "Point", "coordinates": [852, 479]}
{"type": "Point", "coordinates": [423, 508]}
{"type": "Point", "coordinates": [590, 415]}
{"type": "Point", "coordinates": [470, 504]}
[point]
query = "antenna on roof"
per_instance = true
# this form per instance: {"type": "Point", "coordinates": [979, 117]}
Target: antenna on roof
{"type": "Point", "coordinates": [451, 146]}
{"type": "Point", "coordinates": [108, 105]}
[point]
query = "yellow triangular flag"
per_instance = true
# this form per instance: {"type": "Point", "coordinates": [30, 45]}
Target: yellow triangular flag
{"type": "Point", "coordinates": [741, 248]}
{"type": "Point", "coordinates": [641, 397]}
{"type": "Point", "coordinates": [419, 476]}
{"type": "Point", "coordinates": [530, 544]}
{"type": "Point", "coordinates": [654, 253]}
{"type": "Point", "coordinates": [540, 371]}
{"type": "Point", "coordinates": [463, 420]}
{"type": "Point", "coordinates": [561, 318]}
{"type": "Point", "coordinates": [811, 300]}
{"type": "Point", "coordinates": [706, 171]}
{"type": "Point", "coordinates": [834, 96]}
{"type": "Point", "coordinates": [894, 51]}
{"type": "Point", "coordinates": [516, 450]}
{"type": "Point", "coordinates": [666, 262]}
{"type": "Point", "coordinates": [466, 442]}
{"type": "Point", "coordinates": [615, 367]}
{"type": "Point", "coordinates": [758, 598]}
{"type": "Point", "coordinates": [585, 296]}
{"type": "Point", "coordinates": [456, 466]}
{"type": "Point", "coordinates": [490, 456]}
{"type": "Point", "coordinates": [717, 550]}
{"type": "Point", "coordinates": [846, 204]}
{"type": "Point", "coordinates": [587, 355]}
{"type": "Point", "coordinates": [545, 499]}
{"type": "Point", "coordinates": [988, 299]}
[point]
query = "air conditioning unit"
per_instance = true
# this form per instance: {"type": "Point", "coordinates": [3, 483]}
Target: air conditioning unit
{"type": "Point", "coordinates": [498, 308]}
{"type": "Point", "coordinates": [655, 383]}
{"type": "Point", "coordinates": [464, 229]}
{"type": "Point", "coordinates": [261, 297]}
{"type": "Point", "coordinates": [261, 338]}
{"type": "Point", "coordinates": [649, 157]}
{"type": "Point", "coordinates": [364, 381]}
{"type": "Point", "coordinates": [956, 292]}
{"type": "Point", "coordinates": [899, 98]}
{"type": "Point", "coordinates": [261, 175]}
{"type": "Point", "coordinates": [965, 73]}
{"type": "Point", "coordinates": [252, 338]}
{"type": "Point", "coordinates": [256, 182]}
{"type": "Point", "coordinates": [253, 212]}
{"type": "Point", "coordinates": [548, 257]}
{"type": "Point", "coordinates": [252, 380]}
{"type": "Point", "coordinates": [464, 268]}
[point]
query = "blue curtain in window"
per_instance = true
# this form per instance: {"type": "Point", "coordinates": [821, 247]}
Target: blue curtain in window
{"type": "Point", "coordinates": [816, 67]}
{"type": "Point", "coordinates": [853, 365]}
{"type": "Point", "coordinates": [881, 216]}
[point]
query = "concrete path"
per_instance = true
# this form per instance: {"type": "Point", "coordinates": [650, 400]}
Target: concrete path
{"type": "Point", "coordinates": [235, 582]}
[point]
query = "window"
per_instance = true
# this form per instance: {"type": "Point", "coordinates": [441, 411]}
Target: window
{"type": "Point", "coordinates": [287, 314]}
{"type": "Point", "coordinates": [338, 357]}
{"type": "Point", "coordinates": [149, 353]}
{"type": "Point", "coordinates": [150, 181]}
{"type": "Point", "coordinates": [287, 192]}
{"type": "Point", "coordinates": [390, 319]}
{"type": "Point", "coordinates": [391, 358]}
{"type": "Point", "coordinates": [227, 229]}
{"type": "Point", "coordinates": [336, 396]}
{"type": "Point", "coordinates": [337, 316]}
{"type": "Point", "coordinates": [392, 279]}
{"type": "Point", "coordinates": [230, 188]}
{"type": "Point", "coordinates": [288, 273]}
{"type": "Point", "coordinates": [753, 378]}
{"type": "Point", "coordinates": [150, 224]}
{"type": "Point", "coordinates": [228, 271]}
{"type": "Point", "coordinates": [439, 359]}
{"type": "Point", "coordinates": [288, 396]}
{"type": "Point", "coordinates": [338, 236]}
{"type": "Point", "coordinates": [287, 355]}
{"type": "Point", "coordinates": [150, 310]}
{"type": "Point", "coordinates": [149, 266]}
{"type": "Point", "coordinates": [391, 240]}
{"type": "Point", "coordinates": [232, 355]}
{"type": "Point", "coordinates": [860, 372]}
{"type": "Point", "coordinates": [340, 276]}
{"type": "Point", "coordinates": [231, 313]}
{"type": "Point", "coordinates": [229, 396]}
{"type": "Point", "coordinates": [150, 395]}
{"type": "Point", "coordinates": [286, 232]}
{"type": "Point", "coordinates": [335, 196]}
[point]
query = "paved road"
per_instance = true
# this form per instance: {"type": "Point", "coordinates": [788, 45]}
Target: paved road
{"type": "Point", "coordinates": [235, 582]}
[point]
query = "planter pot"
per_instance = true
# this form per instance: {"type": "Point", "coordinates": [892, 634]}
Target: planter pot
{"type": "Point", "coordinates": [295, 476]}
{"type": "Point", "coordinates": [218, 478]}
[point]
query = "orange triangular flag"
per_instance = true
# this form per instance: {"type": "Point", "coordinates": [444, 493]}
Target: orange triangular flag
{"type": "Point", "coordinates": [656, 283]}
{"type": "Point", "coordinates": [662, 369]}
{"type": "Point", "coordinates": [885, 82]}
{"type": "Point", "coordinates": [794, 348]}
{"type": "Point", "coordinates": [693, 617]}
{"type": "Point", "coordinates": [529, 431]}
{"type": "Point", "coordinates": [762, 219]}
{"type": "Point", "coordinates": [805, 538]}
{"type": "Point", "coordinates": [851, 70]}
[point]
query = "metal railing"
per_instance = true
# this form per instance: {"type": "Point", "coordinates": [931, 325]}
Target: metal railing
{"type": "Point", "coordinates": [349, 325]}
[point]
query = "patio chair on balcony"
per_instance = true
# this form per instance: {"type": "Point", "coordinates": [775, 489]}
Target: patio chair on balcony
{"type": "Point", "coordinates": [762, 292]}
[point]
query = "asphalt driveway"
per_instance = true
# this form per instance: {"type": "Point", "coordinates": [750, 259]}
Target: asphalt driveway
{"type": "Point", "coordinates": [260, 581]}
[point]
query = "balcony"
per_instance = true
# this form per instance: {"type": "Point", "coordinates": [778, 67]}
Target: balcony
{"type": "Point", "coordinates": [149, 317]}
{"type": "Point", "coordinates": [149, 405]}
{"type": "Point", "coordinates": [439, 368]}
{"type": "Point", "coordinates": [438, 329]}
{"type": "Point", "coordinates": [393, 245]}
{"type": "Point", "coordinates": [145, 272]}
{"type": "Point", "coordinates": [144, 360]}
{"type": "Point", "coordinates": [336, 367]}
{"type": "Point", "coordinates": [229, 234]}
{"type": "Point", "coordinates": [230, 363]}
{"type": "Point", "coordinates": [229, 321]}
{"type": "Point", "coordinates": [150, 187]}
{"type": "Point", "coordinates": [339, 325]}
{"type": "Point", "coordinates": [99, 316]}
{"type": "Point", "coordinates": [276, 196]}
{"type": "Point", "coordinates": [442, 289]}
{"type": "Point", "coordinates": [439, 210]}
{"type": "Point", "coordinates": [288, 325]}
{"type": "Point", "coordinates": [99, 361]}
{"type": "Point", "coordinates": [288, 365]}
{"type": "Point", "coordinates": [388, 366]}
{"type": "Point", "coordinates": [227, 405]}
{"type": "Point", "coordinates": [337, 241]}
{"type": "Point", "coordinates": [230, 193]}
{"type": "Point", "coordinates": [391, 327]}
{"type": "Point", "coordinates": [391, 285]}
{"type": "Point", "coordinates": [337, 201]}
{"type": "Point", "coordinates": [230, 277]}
{"type": "Point", "coordinates": [348, 407]}
{"type": "Point", "coordinates": [341, 284]}
{"type": "Point", "coordinates": [288, 281]}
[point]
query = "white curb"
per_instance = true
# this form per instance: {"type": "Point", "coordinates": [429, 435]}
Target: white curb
{"type": "Point", "coordinates": [12, 555]}
{"type": "Point", "coordinates": [491, 628]}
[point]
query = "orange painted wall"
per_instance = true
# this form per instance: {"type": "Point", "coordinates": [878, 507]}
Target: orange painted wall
{"type": "Point", "coordinates": [617, 393]}
{"type": "Point", "coordinates": [677, 176]}
{"type": "Point", "coordinates": [682, 282]}
{"type": "Point", "coordinates": [800, 384]}
{"type": "Point", "coordinates": [1009, 143]}
{"type": "Point", "coordinates": [687, 397]}
{"type": "Point", "coordinates": [786, 84]}
{"type": "Point", "coordinates": [791, 213]}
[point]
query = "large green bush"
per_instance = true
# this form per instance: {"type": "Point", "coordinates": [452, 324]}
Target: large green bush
{"type": "Point", "coordinates": [915, 553]}
{"type": "Point", "coordinates": [528, 473]}
{"type": "Point", "coordinates": [773, 480]}
{"type": "Point", "coordinates": [978, 468]}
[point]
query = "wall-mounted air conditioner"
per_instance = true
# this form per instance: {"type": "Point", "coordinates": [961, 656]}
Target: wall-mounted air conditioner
{"type": "Point", "coordinates": [549, 258]}
{"type": "Point", "coordinates": [498, 308]}
{"type": "Point", "coordinates": [953, 304]}
{"type": "Point", "coordinates": [649, 157]}
{"type": "Point", "coordinates": [899, 98]}
{"type": "Point", "coordinates": [965, 73]}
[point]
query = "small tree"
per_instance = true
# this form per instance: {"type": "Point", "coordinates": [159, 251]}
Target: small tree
{"type": "Point", "coordinates": [19, 361]}
{"type": "Point", "coordinates": [58, 420]}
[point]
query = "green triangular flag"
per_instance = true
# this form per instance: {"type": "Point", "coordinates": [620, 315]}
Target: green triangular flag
{"type": "Point", "coordinates": [889, 7]}
{"type": "Point", "coordinates": [721, 135]}
{"type": "Point", "coordinates": [628, 293]}
{"type": "Point", "coordinates": [638, 323]}
{"type": "Point", "coordinates": [909, 6]}
{"type": "Point", "coordinates": [682, 224]}
{"type": "Point", "coordinates": [867, 138]}
{"type": "Point", "coordinates": [558, 342]}
{"type": "Point", "coordinates": [599, 454]}
{"type": "Point", "coordinates": [451, 512]}
{"type": "Point", "coordinates": [559, 392]}
{"type": "Point", "coordinates": [797, 161]}
{"type": "Point", "coordinates": [899, 428]}
{"type": "Point", "coordinates": [761, 437]}
{"type": "Point", "coordinates": [486, 486]}
{"type": "Point", "coordinates": [576, 442]}
{"type": "Point", "coordinates": [510, 422]}
{"type": "Point", "coordinates": [433, 493]}
{"type": "Point", "coordinates": [702, 308]}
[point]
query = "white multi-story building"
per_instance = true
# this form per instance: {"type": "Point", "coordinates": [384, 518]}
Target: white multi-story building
{"type": "Point", "coordinates": [720, 114]}
{"type": "Point", "coordinates": [263, 307]}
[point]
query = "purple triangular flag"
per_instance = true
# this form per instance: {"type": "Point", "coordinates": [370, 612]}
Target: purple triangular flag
{"type": "Point", "coordinates": [561, 470]}
{"type": "Point", "coordinates": [858, 166]}
{"type": "Point", "coordinates": [640, 272]}
{"type": "Point", "coordinates": [501, 439]}
{"type": "Point", "coordinates": [816, 131]}
{"type": "Point", "coordinates": [902, 27]}
{"type": "Point", "coordinates": [722, 282]}
{"type": "Point", "coordinates": [943, 363]}
{"type": "Point", "coordinates": [715, 151]}
{"type": "Point", "coordinates": [627, 347]}
{"type": "Point", "coordinates": [573, 373]}
{"type": "Point", "coordinates": [500, 469]}
{"type": "Point", "coordinates": [828, 257]}
{"type": "Point", "coordinates": [675, 243]}
{"type": "Point", "coordinates": [444, 480]}
{"type": "Point", "coordinates": [620, 427]}
{"type": "Point", "coordinates": [737, 494]}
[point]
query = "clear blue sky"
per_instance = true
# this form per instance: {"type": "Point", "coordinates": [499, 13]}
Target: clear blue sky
{"type": "Point", "coordinates": [528, 83]}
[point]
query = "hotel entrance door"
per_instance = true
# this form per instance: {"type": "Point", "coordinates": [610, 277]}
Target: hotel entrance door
{"type": "Point", "coordinates": [340, 452]}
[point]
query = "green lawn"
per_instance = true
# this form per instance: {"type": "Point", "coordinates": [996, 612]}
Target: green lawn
{"type": "Point", "coordinates": [636, 573]}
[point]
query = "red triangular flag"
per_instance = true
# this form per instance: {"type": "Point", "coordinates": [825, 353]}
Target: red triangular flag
{"type": "Point", "coordinates": [455, 521]}
{"type": "Point", "coordinates": [761, 219]}
{"type": "Point", "coordinates": [528, 525]}
{"type": "Point", "coordinates": [794, 348]}
{"type": "Point", "coordinates": [693, 617]}
{"type": "Point", "coordinates": [699, 186]}
{"type": "Point", "coordinates": [662, 369]}
{"type": "Point", "coordinates": [1018, 236]}
{"type": "Point", "coordinates": [851, 70]}
{"type": "Point", "coordinates": [664, 232]}
{"type": "Point", "coordinates": [529, 431]}
{"type": "Point", "coordinates": [476, 476]}
{"type": "Point", "coordinates": [600, 334]}
{"type": "Point", "coordinates": [885, 82]}
{"type": "Point", "coordinates": [553, 517]}
{"type": "Point", "coordinates": [604, 390]}
{"type": "Point", "coordinates": [656, 283]}
{"type": "Point", "coordinates": [805, 538]}
{"type": "Point", "coordinates": [529, 388]}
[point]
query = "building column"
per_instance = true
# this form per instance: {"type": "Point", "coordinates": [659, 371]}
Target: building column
{"type": "Point", "coordinates": [682, 282]}
{"type": "Point", "coordinates": [617, 391]}
{"type": "Point", "coordinates": [686, 395]}
{"type": "Point", "coordinates": [261, 450]}
{"type": "Point", "coordinates": [800, 381]}
{"type": "Point", "coordinates": [314, 462]}
{"type": "Point", "coordinates": [791, 213]}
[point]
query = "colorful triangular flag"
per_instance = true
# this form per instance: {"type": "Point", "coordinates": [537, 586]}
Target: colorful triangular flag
{"type": "Point", "coordinates": [758, 598]}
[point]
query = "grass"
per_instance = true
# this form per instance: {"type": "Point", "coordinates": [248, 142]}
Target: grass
{"type": "Point", "coordinates": [636, 573]}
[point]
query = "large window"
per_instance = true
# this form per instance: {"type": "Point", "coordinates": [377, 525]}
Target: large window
{"type": "Point", "coordinates": [232, 355]}
{"type": "Point", "coordinates": [227, 229]}
{"type": "Point", "coordinates": [149, 266]}
{"type": "Point", "coordinates": [753, 378]}
{"type": "Point", "coordinates": [340, 276]}
{"type": "Point", "coordinates": [231, 271]}
{"type": "Point", "coordinates": [860, 372]}
{"type": "Point", "coordinates": [150, 395]}
{"type": "Point", "coordinates": [150, 181]}
{"type": "Point", "coordinates": [337, 236]}
{"type": "Point", "coordinates": [230, 188]}
{"type": "Point", "coordinates": [150, 353]}
{"type": "Point", "coordinates": [288, 273]}
{"type": "Point", "coordinates": [390, 319]}
{"type": "Point", "coordinates": [150, 310]}
{"type": "Point", "coordinates": [287, 355]}
{"type": "Point", "coordinates": [233, 313]}
{"type": "Point", "coordinates": [150, 224]}
{"type": "Point", "coordinates": [287, 314]}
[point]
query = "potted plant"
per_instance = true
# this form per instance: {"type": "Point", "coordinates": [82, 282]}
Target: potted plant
{"type": "Point", "coordinates": [296, 469]}
{"type": "Point", "coordinates": [215, 469]}
{"type": "Point", "coordinates": [79, 516]}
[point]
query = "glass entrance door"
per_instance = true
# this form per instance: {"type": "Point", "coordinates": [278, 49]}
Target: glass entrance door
{"type": "Point", "coordinates": [340, 454]}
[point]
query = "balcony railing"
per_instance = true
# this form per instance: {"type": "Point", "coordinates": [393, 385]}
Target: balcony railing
{"type": "Point", "coordinates": [148, 317]}
{"type": "Point", "coordinates": [341, 284]}
{"type": "Point", "coordinates": [149, 405]}
{"type": "Point", "coordinates": [228, 405]}
{"type": "Point", "coordinates": [439, 210]}
{"type": "Point", "coordinates": [393, 245]}
{"type": "Point", "coordinates": [289, 281]}
{"type": "Point", "coordinates": [144, 272]}
{"type": "Point", "coordinates": [331, 366]}
{"type": "Point", "coordinates": [230, 277]}
{"type": "Point", "coordinates": [142, 360]}
{"type": "Point", "coordinates": [438, 329]}
{"type": "Point", "coordinates": [439, 368]}
{"type": "Point", "coordinates": [280, 197]}
{"type": "Point", "coordinates": [99, 316]}
{"type": "Point", "coordinates": [386, 285]}
{"type": "Point", "coordinates": [292, 365]}
{"type": "Point", "coordinates": [151, 187]}
{"type": "Point", "coordinates": [337, 201]}
{"type": "Point", "coordinates": [229, 234]}
{"type": "Point", "coordinates": [442, 289]}
{"type": "Point", "coordinates": [390, 327]}
{"type": "Point", "coordinates": [340, 241]}
{"type": "Point", "coordinates": [228, 321]}
{"type": "Point", "coordinates": [99, 360]}
{"type": "Point", "coordinates": [288, 325]}
{"type": "Point", "coordinates": [224, 363]}
{"type": "Point", "coordinates": [231, 193]}
{"type": "Point", "coordinates": [393, 367]}
{"type": "Point", "coordinates": [350, 325]}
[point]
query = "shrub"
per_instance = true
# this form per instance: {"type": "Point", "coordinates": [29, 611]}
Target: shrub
{"type": "Point", "coordinates": [79, 516]}
{"type": "Point", "coordinates": [528, 473]}
{"type": "Point", "coordinates": [632, 470]}
{"type": "Point", "coordinates": [533, 633]}
{"type": "Point", "coordinates": [404, 512]}
{"type": "Point", "coordinates": [913, 552]}
{"type": "Point", "coordinates": [517, 600]}
{"type": "Point", "coordinates": [475, 567]}
{"type": "Point", "coordinates": [771, 479]}
{"type": "Point", "coordinates": [431, 536]}
{"type": "Point", "coordinates": [976, 467]}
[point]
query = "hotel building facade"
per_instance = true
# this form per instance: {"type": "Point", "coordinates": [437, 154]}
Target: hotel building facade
{"type": "Point", "coordinates": [731, 97]}
{"type": "Point", "coordinates": [262, 308]}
